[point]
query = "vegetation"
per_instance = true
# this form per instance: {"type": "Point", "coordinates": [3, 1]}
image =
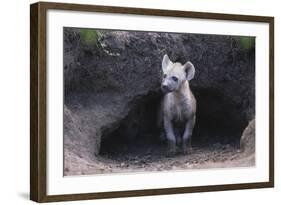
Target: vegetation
{"type": "Point", "coordinates": [246, 42]}
{"type": "Point", "coordinates": [89, 36]}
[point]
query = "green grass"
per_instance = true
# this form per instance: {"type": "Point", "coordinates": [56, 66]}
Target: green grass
{"type": "Point", "coordinates": [89, 37]}
{"type": "Point", "coordinates": [246, 42]}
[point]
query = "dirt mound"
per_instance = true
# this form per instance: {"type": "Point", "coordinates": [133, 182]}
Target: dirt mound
{"type": "Point", "coordinates": [247, 142]}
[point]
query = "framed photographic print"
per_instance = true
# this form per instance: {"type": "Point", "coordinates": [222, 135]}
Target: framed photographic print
{"type": "Point", "coordinates": [134, 102]}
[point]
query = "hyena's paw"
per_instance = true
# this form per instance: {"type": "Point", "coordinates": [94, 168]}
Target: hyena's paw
{"type": "Point", "coordinates": [179, 141]}
{"type": "Point", "coordinates": [171, 149]}
{"type": "Point", "coordinates": [186, 148]}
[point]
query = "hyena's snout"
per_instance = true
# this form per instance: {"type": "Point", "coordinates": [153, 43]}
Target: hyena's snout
{"type": "Point", "coordinates": [166, 86]}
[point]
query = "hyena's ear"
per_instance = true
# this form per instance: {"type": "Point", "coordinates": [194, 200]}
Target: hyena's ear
{"type": "Point", "coordinates": [165, 62]}
{"type": "Point", "coordinates": [189, 70]}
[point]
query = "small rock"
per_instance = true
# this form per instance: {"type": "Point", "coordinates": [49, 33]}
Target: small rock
{"type": "Point", "coordinates": [158, 166]}
{"type": "Point", "coordinates": [217, 145]}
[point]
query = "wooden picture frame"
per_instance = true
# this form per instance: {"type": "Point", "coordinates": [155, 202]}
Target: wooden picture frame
{"type": "Point", "coordinates": [38, 101]}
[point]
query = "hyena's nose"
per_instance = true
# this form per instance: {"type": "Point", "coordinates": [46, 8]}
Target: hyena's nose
{"type": "Point", "coordinates": [165, 87]}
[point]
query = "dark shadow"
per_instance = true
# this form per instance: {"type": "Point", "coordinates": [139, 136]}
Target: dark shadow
{"type": "Point", "coordinates": [218, 120]}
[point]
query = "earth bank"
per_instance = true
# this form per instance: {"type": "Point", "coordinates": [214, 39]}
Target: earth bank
{"type": "Point", "coordinates": [112, 95]}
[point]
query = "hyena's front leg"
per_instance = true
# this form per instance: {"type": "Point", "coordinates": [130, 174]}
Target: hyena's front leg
{"type": "Point", "coordinates": [186, 144]}
{"type": "Point", "coordinates": [171, 139]}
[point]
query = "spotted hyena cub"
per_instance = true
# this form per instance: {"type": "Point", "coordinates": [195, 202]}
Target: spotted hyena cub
{"type": "Point", "coordinates": [178, 107]}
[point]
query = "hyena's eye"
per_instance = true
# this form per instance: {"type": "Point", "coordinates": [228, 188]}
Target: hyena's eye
{"type": "Point", "coordinates": [165, 75]}
{"type": "Point", "coordinates": [175, 78]}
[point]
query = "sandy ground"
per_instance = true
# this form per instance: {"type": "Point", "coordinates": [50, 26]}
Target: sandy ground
{"type": "Point", "coordinates": [138, 158]}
